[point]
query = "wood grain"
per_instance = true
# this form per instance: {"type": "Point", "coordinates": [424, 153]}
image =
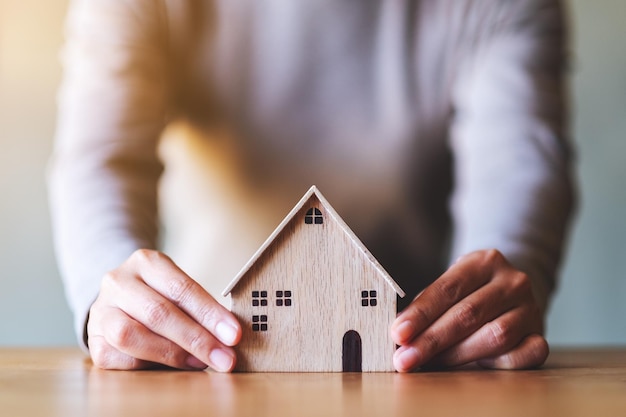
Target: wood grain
{"type": "Point", "coordinates": [62, 382]}
{"type": "Point", "coordinates": [326, 269]}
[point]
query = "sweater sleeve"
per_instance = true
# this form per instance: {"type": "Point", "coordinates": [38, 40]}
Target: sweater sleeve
{"type": "Point", "coordinates": [514, 188]}
{"type": "Point", "coordinates": [104, 169]}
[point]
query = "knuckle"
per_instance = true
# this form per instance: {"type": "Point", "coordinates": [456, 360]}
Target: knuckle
{"type": "Point", "coordinates": [198, 342]}
{"type": "Point", "coordinates": [141, 256]}
{"type": "Point", "coordinates": [115, 281]}
{"type": "Point", "coordinates": [209, 315]}
{"type": "Point", "coordinates": [111, 280]}
{"type": "Point", "coordinates": [156, 312]}
{"type": "Point", "coordinates": [121, 335]}
{"type": "Point", "coordinates": [101, 355]}
{"type": "Point", "coordinates": [180, 289]}
{"type": "Point", "coordinates": [450, 289]}
{"type": "Point", "coordinates": [171, 357]}
{"type": "Point", "coordinates": [146, 256]}
{"type": "Point", "coordinates": [468, 315]}
{"type": "Point", "coordinates": [430, 344]}
{"type": "Point", "coordinates": [492, 257]}
{"type": "Point", "coordinates": [520, 282]}
{"type": "Point", "coordinates": [500, 335]}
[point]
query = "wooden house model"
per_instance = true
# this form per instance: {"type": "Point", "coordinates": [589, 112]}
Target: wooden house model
{"type": "Point", "coordinates": [313, 298]}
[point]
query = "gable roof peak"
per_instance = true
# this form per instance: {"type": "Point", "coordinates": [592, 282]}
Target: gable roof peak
{"type": "Point", "coordinates": [314, 191]}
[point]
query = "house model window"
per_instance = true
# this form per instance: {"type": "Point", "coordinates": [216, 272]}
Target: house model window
{"type": "Point", "coordinates": [368, 298]}
{"type": "Point", "coordinates": [283, 298]}
{"type": "Point", "coordinates": [259, 298]}
{"type": "Point", "coordinates": [313, 216]}
{"type": "Point", "coordinates": [259, 323]}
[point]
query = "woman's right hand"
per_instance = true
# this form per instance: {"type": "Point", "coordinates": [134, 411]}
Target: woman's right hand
{"type": "Point", "coordinates": [149, 312]}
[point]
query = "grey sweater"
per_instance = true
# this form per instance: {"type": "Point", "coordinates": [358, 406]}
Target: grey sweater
{"type": "Point", "coordinates": [434, 127]}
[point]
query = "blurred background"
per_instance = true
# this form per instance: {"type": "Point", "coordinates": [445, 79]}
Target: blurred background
{"type": "Point", "coordinates": [590, 306]}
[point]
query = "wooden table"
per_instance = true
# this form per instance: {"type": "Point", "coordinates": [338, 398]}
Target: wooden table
{"type": "Point", "coordinates": [62, 382]}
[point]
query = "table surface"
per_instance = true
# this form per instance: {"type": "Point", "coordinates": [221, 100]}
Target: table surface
{"type": "Point", "coordinates": [63, 382]}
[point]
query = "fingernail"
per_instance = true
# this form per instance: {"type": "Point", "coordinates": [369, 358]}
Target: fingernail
{"type": "Point", "coordinates": [406, 358]}
{"type": "Point", "coordinates": [226, 333]}
{"type": "Point", "coordinates": [195, 363]}
{"type": "Point", "coordinates": [221, 360]}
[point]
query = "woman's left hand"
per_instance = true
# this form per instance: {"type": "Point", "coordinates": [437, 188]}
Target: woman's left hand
{"type": "Point", "coordinates": [481, 310]}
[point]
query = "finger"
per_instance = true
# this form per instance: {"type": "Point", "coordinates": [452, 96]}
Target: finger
{"type": "Point", "coordinates": [125, 344]}
{"type": "Point", "coordinates": [461, 321]}
{"type": "Point", "coordinates": [162, 274]}
{"type": "Point", "coordinates": [133, 339]}
{"type": "Point", "coordinates": [505, 290]}
{"type": "Point", "coordinates": [530, 353]}
{"type": "Point", "coordinates": [492, 339]}
{"type": "Point", "coordinates": [105, 356]}
{"type": "Point", "coordinates": [162, 317]}
{"type": "Point", "coordinates": [493, 319]}
{"type": "Point", "coordinates": [461, 279]}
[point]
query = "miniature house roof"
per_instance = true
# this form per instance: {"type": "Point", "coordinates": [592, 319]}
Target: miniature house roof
{"type": "Point", "coordinates": [314, 192]}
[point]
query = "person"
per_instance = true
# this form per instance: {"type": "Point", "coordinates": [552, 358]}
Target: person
{"type": "Point", "coordinates": [437, 128]}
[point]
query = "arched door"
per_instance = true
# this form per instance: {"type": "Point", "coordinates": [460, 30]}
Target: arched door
{"type": "Point", "coordinates": [351, 354]}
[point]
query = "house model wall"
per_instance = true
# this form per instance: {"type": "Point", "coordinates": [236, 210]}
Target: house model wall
{"type": "Point", "coordinates": [313, 299]}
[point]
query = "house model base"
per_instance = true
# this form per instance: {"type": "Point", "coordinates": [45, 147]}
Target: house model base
{"type": "Point", "coordinates": [313, 298]}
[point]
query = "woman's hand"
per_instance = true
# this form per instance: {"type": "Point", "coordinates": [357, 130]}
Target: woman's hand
{"type": "Point", "coordinates": [149, 312]}
{"type": "Point", "coordinates": [481, 309]}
